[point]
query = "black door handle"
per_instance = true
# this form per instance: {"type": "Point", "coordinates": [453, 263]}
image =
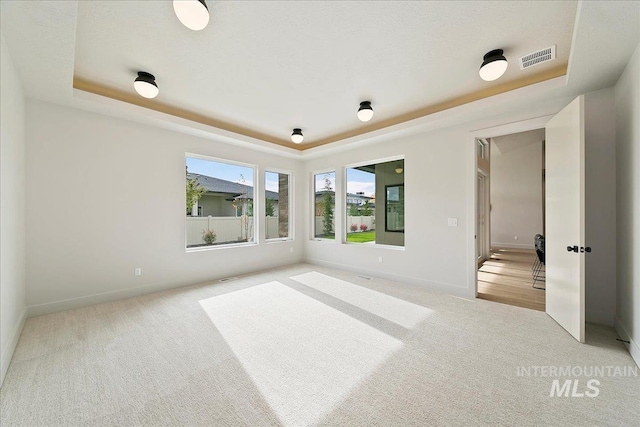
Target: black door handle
{"type": "Point", "coordinates": [586, 249]}
{"type": "Point", "coordinates": [572, 249]}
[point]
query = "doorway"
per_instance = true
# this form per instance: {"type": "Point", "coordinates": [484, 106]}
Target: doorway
{"type": "Point", "coordinates": [510, 219]}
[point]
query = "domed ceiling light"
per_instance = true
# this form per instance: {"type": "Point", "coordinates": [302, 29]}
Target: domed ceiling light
{"type": "Point", "coordinates": [493, 66]}
{"type": "Point", "coordinates": [297, 136]}
{"type": "Point", "coordinates": [193, 14]}
{"type": "Point", "coordinates": [365, 112]}
{"type": "Point", "coordinates": [145, 85]}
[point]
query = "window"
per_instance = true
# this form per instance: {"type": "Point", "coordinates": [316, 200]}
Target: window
{"type": "Point", "coordinates": [219, 203]}
{"type": "Point", "coordinates": [394, 202]}
{"type": "Point", "coordinates": [276, 207]}
{"type": "Point", "coordinates": [361, 197]}
{"type": "Point", "coordinates": [369, 221]}
{"type": "Point", "coordinates": [324, 205]}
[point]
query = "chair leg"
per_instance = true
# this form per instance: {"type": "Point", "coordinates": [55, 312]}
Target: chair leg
{"type": "Point", "coordinates": [536, 277]}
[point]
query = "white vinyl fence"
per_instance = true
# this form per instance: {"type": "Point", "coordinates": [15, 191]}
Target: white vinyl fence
{"type": "Point", "coordinates": [227, 229]}
{"type": "Point", "coordinates": [369, 221]}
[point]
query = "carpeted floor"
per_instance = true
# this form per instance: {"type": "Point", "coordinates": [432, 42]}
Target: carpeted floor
{"type": "Point", "coordinates": [305, 345]}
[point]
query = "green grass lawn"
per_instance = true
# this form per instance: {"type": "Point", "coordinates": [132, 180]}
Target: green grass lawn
{"type": "Point", "coordinates": [364, 237]}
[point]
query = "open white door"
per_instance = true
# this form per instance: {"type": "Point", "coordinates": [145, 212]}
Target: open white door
{"type": "Point", "coordinates": [565, 218]}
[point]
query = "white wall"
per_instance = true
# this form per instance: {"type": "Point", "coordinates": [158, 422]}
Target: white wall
{"type": "Point", "coordinates": [12, 209]}
{"type": "Point", "coordinates": [627, 101]}
{"type": "Point", "coordinates": [600, 206]}
{"type": "Point", "coordinates": [83, 249]}
{"type": "Point", "coordinates": [436, 188]}
{"type": "Point", "coordinates": [516, 192]}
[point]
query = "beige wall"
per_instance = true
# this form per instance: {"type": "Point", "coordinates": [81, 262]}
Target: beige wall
{"type": "Point", "coordinates": [516, 190]}
{"type": "Point", "coordinates": [600, 206]}
{"type": "Point", "coordinates": [627, 102]}
{"type": "Point", "coordinates": [12, 211]}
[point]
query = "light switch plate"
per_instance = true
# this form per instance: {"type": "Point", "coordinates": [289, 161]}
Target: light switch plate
{"type": "Point", "coordinates": [453, 222]}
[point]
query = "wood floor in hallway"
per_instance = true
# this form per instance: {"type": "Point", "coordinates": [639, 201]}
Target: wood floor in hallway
{"type": "Point", "coordinates": [506, 278]}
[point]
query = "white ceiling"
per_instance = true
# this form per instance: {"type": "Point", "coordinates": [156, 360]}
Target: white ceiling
{"type": "Point", "coordinates": [275, 65]}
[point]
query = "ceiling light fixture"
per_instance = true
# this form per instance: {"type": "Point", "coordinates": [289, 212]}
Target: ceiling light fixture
{"type": "Point", "coordinates": [399, 170]}
{"type": "Point", "coordinates": [193, 14]}
{"type": "Point", "coordinates": [493, 66]}
{"type": "Point", "coordinates": [297, 136]}
{"type": "Point", "coordinates": [365, 112]}
{"type": "Point", "coordinates": [145, 85]}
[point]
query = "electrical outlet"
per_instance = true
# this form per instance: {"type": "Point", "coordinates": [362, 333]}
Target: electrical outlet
{"type": "Point", "coordinates": [380, 259]}
{"type": "Point", "coordinates": [138, 271]}
{"type": "Point", "coordinates": [453, 222]}
{"type": "Point", "coordinates": [291, 250]}
{"type": "Point", "coordinates": [515, 237]}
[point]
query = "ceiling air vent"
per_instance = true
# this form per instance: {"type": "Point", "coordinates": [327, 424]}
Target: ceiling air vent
{"type": "Point", "coordinates": [539, 57]}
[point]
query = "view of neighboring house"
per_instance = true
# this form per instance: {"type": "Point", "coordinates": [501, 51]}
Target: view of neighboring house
{"type": "Point", "coordinates": [357, 199]}
{"type": "Point", "coordinates": [223, 197]}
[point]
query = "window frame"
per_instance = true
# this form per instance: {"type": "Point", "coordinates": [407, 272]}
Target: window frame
{"type": "Point", "coordinates": [343, 232]}
{"type": "Point", "coordinates": [291, 218]}
{"type": "Point", "coordinates": [312, 219]}
{"type": "Point", "coordinates": [256, 203]}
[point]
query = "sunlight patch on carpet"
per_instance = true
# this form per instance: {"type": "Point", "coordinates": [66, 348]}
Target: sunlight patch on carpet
{"type": "Point", "coordinates": [302, 355]}
{"type": "Point", "coordinates": [395, 310]}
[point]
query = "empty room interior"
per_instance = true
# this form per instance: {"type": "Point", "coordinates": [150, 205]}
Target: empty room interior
{"type": "Point", "coordinates": [510, 209]}
{"type": "Point", "coordinates": [318, 213]}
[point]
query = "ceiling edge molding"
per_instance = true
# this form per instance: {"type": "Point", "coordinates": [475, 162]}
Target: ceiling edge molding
{"type": "Point", "coordinates": [552, 73]}
{"type": "Point", "coordinates": [131, 98]}
{"type": "Point", "coordinates": [98, 104]}
{"type": "Point", "coordinates": [452, 117]}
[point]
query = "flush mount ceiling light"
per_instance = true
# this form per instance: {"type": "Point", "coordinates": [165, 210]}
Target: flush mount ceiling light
{"type": "Point", "coordinates": [193, 14]}
{"type": "Point", "coordinates": [493, 66]}
{"type": "Point", "coordinates": [365, 112]}
{"type": "Point", "coordinates": [297, 136]}
{"type": "Point", "coordinates": [145, 85]}
{"type": "Point", "coordinates": [399, 170]}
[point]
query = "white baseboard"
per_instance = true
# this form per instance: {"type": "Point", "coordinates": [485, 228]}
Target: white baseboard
{"type": "Point", "coordinates": [7, 353]}
{"type": "Point", "coordinates": [512, 245]}
{"type": "Point", "coordinates": [633, 347]}
{"type": "Point", "coordinates": [447, 288]}
{"type": "Point", "coordinates": [69, 304]}
{"type": "Point", "coordinates": [600, 317]}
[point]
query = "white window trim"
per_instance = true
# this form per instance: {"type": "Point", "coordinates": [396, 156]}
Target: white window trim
{"type": "Point", "coordinates": [256, 204]}
{"type": "Point", "coordinates": [343, 233]}
{"type": "Point", "coordinates": [291, 205]}
{"type": "Point", "coordinates": [312, 219]}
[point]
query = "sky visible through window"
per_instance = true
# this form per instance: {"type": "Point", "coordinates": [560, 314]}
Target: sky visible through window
{"type": "Point", "coordinates": [359, 181]}
{"type": "Point", "coordinates": [221, 170]}
{"type": "Point", "coordinates": [356, 181]}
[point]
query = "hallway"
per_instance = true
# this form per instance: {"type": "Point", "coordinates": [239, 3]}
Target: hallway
{"type": "Point", "coordinates": [506, 278]}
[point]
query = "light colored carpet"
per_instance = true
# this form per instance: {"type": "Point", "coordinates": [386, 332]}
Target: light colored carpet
{"type": "Point", "coordinates": [305, 345]}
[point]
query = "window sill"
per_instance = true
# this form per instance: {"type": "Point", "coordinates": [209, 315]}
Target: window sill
{"type": "Point", "coordinates": [220, 247]}
{"type": "Point", "coordinates": [279, 240]}
{"type": "Point", "coordinates": [376, 246]}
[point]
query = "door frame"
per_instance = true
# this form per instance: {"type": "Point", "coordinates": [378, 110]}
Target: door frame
{"type": "Point", "coordinates": [484, 235]}
{"type": "Point", "coordinates": [472, 181]}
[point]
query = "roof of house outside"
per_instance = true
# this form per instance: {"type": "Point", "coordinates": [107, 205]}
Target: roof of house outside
{"type": "Point", "coordinates": [221, 186]}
